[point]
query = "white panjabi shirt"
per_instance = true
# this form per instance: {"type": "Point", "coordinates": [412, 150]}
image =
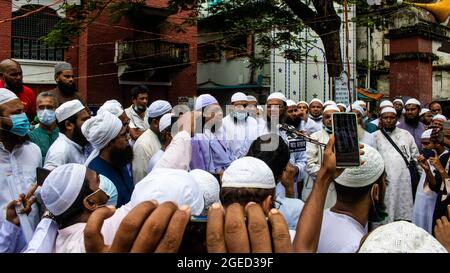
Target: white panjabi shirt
{"type": "Point", "coordinates": [144, 148]}
{"type": "Point", "coordinates": [64, 151]}
{"type": "Point", "coordinates": [239, 134]}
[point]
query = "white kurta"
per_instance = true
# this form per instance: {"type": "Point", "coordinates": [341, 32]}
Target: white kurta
{"type": "Point", "coordinates": [178, 154]}
{"type": "Point", "coordinates": [314, 154]}
{"type": "Point", "coordinates": [368, 139]}
{"type": "Point", "coordinates": [136, 121]}
{"type": "Point", "coordinates": [155, 158]}
{"type": "Point", "coordinates": [20, 165]}
{"type": "Point", "coordinates": [398, 199]}
{"type": "Point", "coordinates": [310, 126]}
{"type": "Point", "coordinates": [144, 148]}
{"type": "Point", "coordinates": [240, 134]}
{"type": "Point", "coordinates": [64, 151]}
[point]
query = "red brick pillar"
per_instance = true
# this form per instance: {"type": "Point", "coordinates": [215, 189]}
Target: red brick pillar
{"type": "Point", "coordinates": [5, 29]}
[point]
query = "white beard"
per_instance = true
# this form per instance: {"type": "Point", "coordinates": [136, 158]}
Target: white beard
{"type": "Point", "coordinates": [360, 131]}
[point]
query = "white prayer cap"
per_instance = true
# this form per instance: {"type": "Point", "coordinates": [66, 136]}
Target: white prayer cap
{"type": "Point", "coordinates": [112, 106]}
{"type": "Point", "coordinates": [239, 96]}
{"type": "Point", "coordinates": [173, 185]}
{"type": "Point", "coordinates": [424, 111]}
{"type": "Point", "coordinates": [303, 102]}
{"type": "Point", "coordinates": [440, 117]}
{"type": "Point", "coordinates": [203, 101]}
{"type": "Point", "coordinates": [388, 110]}
{"type": "Point", "coordinates": [329, 102]}
{"type": "Point", "coordinates": [68, 109]}
{"type": "Point", "coordinates": [277, 95]}
{"type": "Point", "coordinates": [291, 103]}
{"type": "Point", "coordinates": [332, 107]}
{"type": "Point", "coordinates": [259, 107]}
{"type": "Point", "coordinates": [360, 102]}
{"type": "Point", "coordinates": [427, 133]}
{"type": "Point", "coordinates": [62, 187]}
{"type": "Point", "coordinates": [366, 174]}
{"type": "Point", "coordinates": [398, 100]}
{"type": "Point", "coordinates": [209, 185]}
{"type": "Point", "coordinates": [413, 101]}
{"type": "Point", "coordinates": [401, 237]}
{"type": "Point", "coordinates": [341, 104]}
{"type": "Point", "coordinates": [6, 96]}
{"type": "Point", "coordinates": [358, 108]}
{"type": "Point", "coordinates": [158, 108]}
{"type": "Point", "coordinates": [248, 172]}
{"type": "Point", "coordinates": [316, 100]}
{"type": "Point", "coordinates": [251, 98]}
{"type": "Point", "coordinates": [165, 121]}
{"type": "Point", "coordinates": [101, 129]}
{"type": "Point", "coordinates": [386, 103]}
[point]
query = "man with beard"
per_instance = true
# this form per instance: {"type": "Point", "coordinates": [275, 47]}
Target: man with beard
{"type": "Point", "coordinates": [19, 157]}
{"type": "Point", "coordinates": [69, 146]}
{"type": "Point", "coordinates": [11, 78]}
{"type": "Point", "coordinates": [293, 115]}
{"type": "Point", "coordinates": [137, 112]}
{"type": "Point", "coordinates": [412, 122]}
{"type": "Point", "coordinates": [399, 195]}
{"type": "Point", "coordinates": [307, 125]}
{"type": "Point", "coordinates": [112, 153]}
{"type": "Point", "coordinates": [398, 106]}
{"type": "Point", "coordinates": [66, 89]}
{"type": "Point", "coordinates": [314, 154]}
{"type": "Point", "coordinates": [426, 117]}
{"type": "Point", "coordinates": [316, 110]}
{"type": "Point", "coordinates": [363, 136]}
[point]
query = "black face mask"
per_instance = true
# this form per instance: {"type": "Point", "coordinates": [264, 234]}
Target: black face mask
{"type": "Point", "coordinates": [377, 212]}
{"type": "Point", "coordinates": [120, 158]}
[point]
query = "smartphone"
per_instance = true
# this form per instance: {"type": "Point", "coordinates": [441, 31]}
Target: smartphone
{"type": "Point", "coordinates": [41, 175]}
{"type": "Point", "coordinates": [194, 239]}
{"type": "Point", "coordinates": [427, 153]}
{"type": "Point", "coordinates": [346, 145]}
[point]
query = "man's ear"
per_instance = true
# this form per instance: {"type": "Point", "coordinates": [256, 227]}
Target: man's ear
{"type": "Point", "coordinates": [375, 192]}
{"type": "Point", "coordinates": [89, 204]}
{"type": "Point", "coordinates": [267, 204]}
{"type": "Point", "coordinates": [69, 125]}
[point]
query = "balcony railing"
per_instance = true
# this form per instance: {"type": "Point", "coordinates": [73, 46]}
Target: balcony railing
{"type": "Point", "coordinates": [153, 52]}
{"type": "Point", "coordinates": [34, 49]}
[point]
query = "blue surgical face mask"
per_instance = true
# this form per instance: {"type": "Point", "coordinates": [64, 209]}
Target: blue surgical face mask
{"type": "Point", "coordinates": [328, 130]}
{"type": "Point", "coordinates": [240, 115]}
{"type": "Point", "coordinates": [47, 116]}
{"type": "Point", "coordinates": [20, 124]}
{"type": "Point", "coordinates": [107, 186]}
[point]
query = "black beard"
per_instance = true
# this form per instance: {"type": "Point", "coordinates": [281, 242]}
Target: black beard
{"type": "Point", "coordinates": [293, 122]}
{"type": "Point", "coordinates": [399, 113]}
{"type": "Point", "coordinates": [390, 130]}
{"type": "Point", "coordinates": [120, 158]}
{"type": "Point", "coordinates": [412, 121]}
{"type": "Point", "coordinates": [67, 90]}
{"type": "Point", "coordinates": [16, 89]}
{"type": "Point", "coordinates": [79, 138]}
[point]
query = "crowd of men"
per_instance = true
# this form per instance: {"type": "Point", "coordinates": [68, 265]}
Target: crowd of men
{"type": "Point", "coordinates": [154, 178]}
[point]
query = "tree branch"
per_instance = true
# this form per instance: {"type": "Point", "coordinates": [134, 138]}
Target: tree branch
{"type": "Point", "coordinates": [301, 10]}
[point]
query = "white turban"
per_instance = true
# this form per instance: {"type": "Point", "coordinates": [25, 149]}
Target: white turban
{"type": "Point", "coordinates": [99, 131]}
{"type": "Point", "coordinates": [316, 100]}
{"type": "Point", "coordinates": [68, 109]}
{"type": "Point", "coordinates": [426, 133]}
{"type": "Point", "coordinates": [413, 101]}
{"type": "Point", "coordinates": [112, 106]}
{"type": "Point", "coordinates": [386, 103]}
{"type": "Point", "coordinates": [424, 111]}
{"type": "Point", "coordinates": [6, 96]}
{"type": "Point", "coordinates": [366, 174]}
{"type": "Point", "coordinates": [440, 117]}
{"type": "Point", "coordinates": [291, 103]}
{"type": "Point", "coordinates": [248, 172]}
{"type": "Point", "coordinates": [238, 96]}
{"type": "Point", "coordinates": [329, 102]}
{"type": "Point", "coordinates": [203, 101]}
{"type": "Point", "coordinates": [209, 185]}
{"type": "Point", "coordinates": [278, 96]}
{"type": "Point", "coordinates": [158, 108]}
{"type": "Point", "coordinates": [398, 100]}
{"type": "Point", "coordinates": [388, 110]}
{"type": "Point", "coordinates": [165, 121]}
{"type": "Point", "coordinates": [401, 237]}
{"type": "Point", "coordinates": [62, 187]}
{"type": "Point", "coordinates": [303, 102]}
{"type": "Point", "coordinates": [358, 108]}
{"type": "Point", "coordinates": [332, 107]}
{"type": "Point", "coordinates": [360, 102]}
{"type": "Point", "coordinates": [173, 185]}
{"type": "Point", "coordinates": [341, 104]}
{"type": "Point", "coordinates": [251, 98]}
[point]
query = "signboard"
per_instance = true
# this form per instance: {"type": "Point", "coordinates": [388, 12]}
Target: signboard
{"type": "Point", "coordinates": [341, 89]}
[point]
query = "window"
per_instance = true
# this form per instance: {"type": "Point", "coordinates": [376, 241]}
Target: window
{"type": "Point", "coordinates": [28, 31]}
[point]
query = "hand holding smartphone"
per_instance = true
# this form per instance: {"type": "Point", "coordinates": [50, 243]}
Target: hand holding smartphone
{"type": "Point", "coordinates": [346, 145]}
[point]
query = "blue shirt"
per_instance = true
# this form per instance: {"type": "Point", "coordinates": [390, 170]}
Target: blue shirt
{"type": "Point", "coordinates": [119, 176]}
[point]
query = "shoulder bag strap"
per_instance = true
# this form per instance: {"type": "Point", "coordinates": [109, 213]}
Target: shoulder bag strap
{"type": "Point", "coordinates": [394, 145]}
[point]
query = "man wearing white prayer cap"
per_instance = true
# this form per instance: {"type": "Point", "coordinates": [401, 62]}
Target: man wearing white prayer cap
{"type": "Point", "coordinates": [19, 157]}
{"type": "Point", "coordinates": [363, 136]}
{"type": "Point", "coordinates": [252, 109]}
{"type": "Point", "coordinates": [383, 104]}
{"type": "Point", "coordinates": [240, 129]}
{"type": "Point", "coordinates": [307, 125]}
{"type": "Point", "coordinates": [314, 155]}
{"type": "Point", "coordinates": [399, 194]}
{"type": "Point", "coordinates": [398, 106]}
{"type": "Point", "coordinates": [411, 122]}
{"type": "Point", "coordinates": [426, 117]}
{"type": "Point", "coordinates": [112, 153]}
{"type": "Point", "coordinates": [400, 237]}
{"type": "Point", "coordinates": [293, 115]}
{"type": "Point", "coordinates": [70, 145]}
{"type": "Point", "coordinates": [66, 89]}
{"type": "Point", "coordinates": [210, 188]}
{"type": "Point", "coordinates": [438, 120]}
{"type": "Point", "coordinates": [316, 110]}
{"type": "Point", "coordinates": [329, 102]}
{"type": "Point", "coordinates": [360, 192]}
{"type": "Point", "coordinates": [341, 107]}
{"type": "Point", "coordinates": [148, 143]}
{"type": "Point", "coordinates": [114, 107]}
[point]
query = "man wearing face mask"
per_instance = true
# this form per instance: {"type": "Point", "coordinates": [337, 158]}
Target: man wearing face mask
{"type": "Point", "coordinates": [11, 78]}
{"type": "Point", "coordinates": [66, 89]}
{"type": "Point", "coordinates": [314, 154]}
{"type": "Point", "coordinates": [69, 146]}
{"type": "Point", "coordinates": [48, 131]}
{"type": "Point", "coordinates": [19, 157]}
{"type": "Point", "coordinates": [240, 129]}
{"type": "Point", "coordinates": [137, 112]}
{"type": "Point", "coordinates": [112, 153]}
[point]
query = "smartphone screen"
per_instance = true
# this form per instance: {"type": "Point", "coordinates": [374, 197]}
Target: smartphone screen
{"type": "Point", "coordinates": [427, 153]}
{"type": "Point", "coordinates": [41, 175]}
{"type": "Point", "coordinates": [346, 146]}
